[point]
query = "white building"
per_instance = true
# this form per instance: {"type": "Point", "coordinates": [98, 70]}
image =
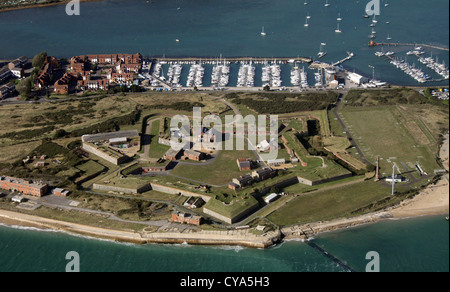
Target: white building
{"type": "Point", "coordinates": [270, 198]}
{"type": "Point", "coordinates": [356, 78]}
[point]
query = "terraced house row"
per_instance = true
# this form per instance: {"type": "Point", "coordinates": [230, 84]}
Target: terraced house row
{"type": "Point", "coordinates": [92, 72]}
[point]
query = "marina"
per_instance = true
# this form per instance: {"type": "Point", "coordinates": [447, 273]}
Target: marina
{"type": "Point", "coordinates": [222, 73]}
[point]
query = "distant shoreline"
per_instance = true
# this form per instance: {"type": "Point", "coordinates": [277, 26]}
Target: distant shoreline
{"type": "Point", "coordinates": [41, 5]}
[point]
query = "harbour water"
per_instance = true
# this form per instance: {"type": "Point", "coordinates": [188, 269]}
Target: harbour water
{"type": "Point", "coordinates": [420, 244]}
{"type": "Point", "coordinates": [232, 28]}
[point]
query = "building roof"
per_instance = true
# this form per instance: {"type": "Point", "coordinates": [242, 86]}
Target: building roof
{"type": "Point", "coordinates": [22, 182]}
{"type": "Point", "coordinates": [242, 162]}
{"type": "Point", "coordinates": [191, 152]}
{"type": "Point", "coordinates": [172, 152]}
{"type": "Point", "coordinates": [264, 171]}
{"type": "Point", "coordinates": [108, 136]}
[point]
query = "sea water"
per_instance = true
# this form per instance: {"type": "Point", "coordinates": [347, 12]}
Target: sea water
{"type": "Point", "coordinates": [420, 244]}
{"type": "Point", "coordinates": [212, 28]}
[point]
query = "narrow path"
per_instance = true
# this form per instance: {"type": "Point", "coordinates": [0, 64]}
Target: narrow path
{"type": "Point", "coordinates": [349, 135]}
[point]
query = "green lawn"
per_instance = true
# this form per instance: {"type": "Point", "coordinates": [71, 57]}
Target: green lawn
{"type": "Point", "coordinates": [329, 204]}
{"type": "Point", "coordinates": [378, 132]}
{"type": "Point", "coordinates": [221, 172]}
{"type": "Point", "coordinates": [156, 150]}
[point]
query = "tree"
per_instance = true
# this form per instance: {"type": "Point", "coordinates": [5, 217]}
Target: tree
{"type": "Point", "coordinates": [24, 87]}
{"type": "Point", "coordinates": [39, 60]}
{"type": "Point", "coordinates": [266, 88]}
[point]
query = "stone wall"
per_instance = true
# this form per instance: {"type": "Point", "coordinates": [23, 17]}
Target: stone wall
{"type": "Point", "coordinates": [170, 190]}
{"type": "Point", "coordinates": [113, 188]}
{"type": "Point", "coordinates": [100, 154]}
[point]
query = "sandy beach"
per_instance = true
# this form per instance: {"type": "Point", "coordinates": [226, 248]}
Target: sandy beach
{"type": "Point", "coordinates": [434, 200]}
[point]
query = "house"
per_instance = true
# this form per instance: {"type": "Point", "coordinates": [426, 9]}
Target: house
{"type": "Point", "coordinates": [40, 164]}
{"type": "Point", "coordinates": [60, 192]}
{"type": "Point", "coordinates": [114, 58]}
{"type": "Point", "coordinates": [172, 154]}
{"type": "Point", "coordinates": [4, 74]}
{"type": "Point", "coordinates": [65, 84]}
{"type": "Point", "coordinates": [19, 62]}
{"type": "Point", "coordinates": [265, 145]}
{"type": "Point", "coordinates": [6, 90]}
{"type": "Point", "coordinates": [17, 72]}
{"type": "Point", "coordinates": [264, 174]}
{"type": "Point", "coordinates": [244, 164]}
{"type": "Point", "coordinates": [44, 77]}
{"type": "Point", "coordinates": [122, 78]}
{"type": "Point", "coordinates": [184, 218]}
{"type": "Point", "coordinates": [243, 181]}
{"type": "Point", "coordinates": [276, 162]}
{"type": "Point", "coordinates": [194, 155]}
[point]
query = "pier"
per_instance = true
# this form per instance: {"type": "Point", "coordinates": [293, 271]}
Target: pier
{"type": "Point", "coordinates": [373, 44]}
{"type": "Point", "coordinates": [350, 55]}
{"type": "Point", "coordinates": [233, 59]}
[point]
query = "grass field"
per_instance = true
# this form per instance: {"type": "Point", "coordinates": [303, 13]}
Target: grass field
{"type": "Point", "coordinates": [380, 132]}
{"type": "Point", "coordinates": [221, 172]}
{"type": "Point", "coordinates": [156, 150]}
{"type": "Point", "coordinates": [329, 204]}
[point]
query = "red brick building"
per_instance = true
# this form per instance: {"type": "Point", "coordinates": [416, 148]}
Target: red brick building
{"type": "Point", "coordinates": [23, 186]}
{"type": "Point", "coordinates": [65, 84]}
{"type": "Point", "coordinates": [244, 164]}
{"type": "Point", "coordinates": [186, 218]}
{"type": "Point", "coordinates": [114, 58]}
{"type": "Point", "coordinates": [194, 155]}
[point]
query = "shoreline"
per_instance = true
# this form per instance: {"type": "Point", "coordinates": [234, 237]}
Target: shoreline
{"type": "Point", "coordinates": [406, 210]}
{"type": "Point", "coordinates": [41, 5]}
{"type": "Point", "coordinates": [432, 200]}
{"type": "Point", "coordinates": [233, 238]}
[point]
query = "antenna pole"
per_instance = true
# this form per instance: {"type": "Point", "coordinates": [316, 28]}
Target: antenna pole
{"type": "Point", "coordinates": [393, 181]}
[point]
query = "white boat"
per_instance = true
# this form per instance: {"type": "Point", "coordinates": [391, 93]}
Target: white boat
{"type": "Point", "coordinates": [327, 4]}
{"type": "Point", "coordinates": [321, 52]}
{"type": "Point", "coordinates": [338, 30]}
{"type": "Point", "coordinates": [389, 37]}
{"type": "Point", "coordinates": [339, 17]}
{"type": "Point", "coordinates": [262, 32]}
{"type": "Point", "coordinates": [306, 23]}
{"type": "Point", "coordinates": [374, 20]}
